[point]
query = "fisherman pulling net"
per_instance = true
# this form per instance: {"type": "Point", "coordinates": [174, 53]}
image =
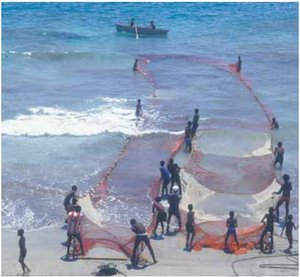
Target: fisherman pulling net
{"type": "Point", "coordinates": [230, 167]}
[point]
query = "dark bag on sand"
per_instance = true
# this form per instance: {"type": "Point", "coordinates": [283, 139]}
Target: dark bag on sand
{"type": "Point", "coordinates": [107, 270]}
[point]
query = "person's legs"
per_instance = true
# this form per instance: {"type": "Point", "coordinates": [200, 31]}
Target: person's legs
{"type": "Point", "coordinates": [226, 239]}
{"type": "Point", "coordinates": [162, 227]}
{"type": "Point", "coordinates": [277, 208]}
{"type": "Point", "coordinates": [178, 183]}
{"type": "Point", "coordinates": [286, 209]}
{"type": "Point", "coordinates": [156, 224]}
{"type": "Point", "coordinates": [172, 184]}
{"type": "Point", "coordinates": [178, 219]}
{"type": "Point", "coordinates": [272, 240]}
{"type": "Point", "coordinates": [192, 239]}
{"type": "Point", "coordinates": [262, 239]}
{"type": "Point", "coordinates": [164, 188]}
{"type": "Point", "coordinates": [190, 145]}
{"type": "Point", "coordinates": [168, 220]}
{"type": "Point", "coordinates": [78, 237]}
{"type": "Point", "coordinates": [147, 242]}
{"type": "Point", "coordinates": [136, 245]}
{"type": "Point", "coordinates": [290, 240]}
{"type": "Point", "coordinates": [21, 261]}
{"type": "Point", "coordinates": [68, 244]}
{"type": "Point", "coordinates": [236, 239]}
{"type": "Point", "coordinates": [187, 240]}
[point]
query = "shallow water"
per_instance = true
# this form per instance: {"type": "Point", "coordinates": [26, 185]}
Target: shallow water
{"type": "Point", "coordinates": [69, 94]}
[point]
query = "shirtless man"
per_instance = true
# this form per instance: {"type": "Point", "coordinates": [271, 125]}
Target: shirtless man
{"type": "Point", "coordinates": [231, 224]}
{"type": "Point", "coordinates": [141, 236]}
{"type": "Point", "coordinates": [279, 153]}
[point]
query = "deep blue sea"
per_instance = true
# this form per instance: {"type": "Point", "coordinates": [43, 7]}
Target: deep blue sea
{"type": "Point", "coordinates": [69, 93]}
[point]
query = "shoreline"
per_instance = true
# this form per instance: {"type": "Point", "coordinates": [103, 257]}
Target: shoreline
{"type": "Point", "coordinates": [172, 259]}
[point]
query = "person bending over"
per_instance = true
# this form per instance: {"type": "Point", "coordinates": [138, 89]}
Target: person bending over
{"type": "Point", "coordinates": [140, 236]}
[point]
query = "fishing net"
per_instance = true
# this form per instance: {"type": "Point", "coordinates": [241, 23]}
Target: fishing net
{"type": "Point", "coordinates": [230, 167]}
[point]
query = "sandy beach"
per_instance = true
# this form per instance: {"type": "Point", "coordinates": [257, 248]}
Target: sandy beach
{"type": "Point", "coordinates": [45, 258]}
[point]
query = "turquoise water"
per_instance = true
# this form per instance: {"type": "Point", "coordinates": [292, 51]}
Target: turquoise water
{"type": "Point", "coordinates": [69, 94]}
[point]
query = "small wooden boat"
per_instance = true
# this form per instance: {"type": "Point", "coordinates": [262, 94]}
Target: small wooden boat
{"type": "Point", "coordinates": [141, 30]}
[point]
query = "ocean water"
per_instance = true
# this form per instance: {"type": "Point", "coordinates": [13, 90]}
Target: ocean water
{"type": "Point", "coordinates": [69, 93]}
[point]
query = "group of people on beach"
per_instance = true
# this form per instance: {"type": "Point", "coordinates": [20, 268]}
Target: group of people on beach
{"type": "Point", "coordinates": [170, 174]}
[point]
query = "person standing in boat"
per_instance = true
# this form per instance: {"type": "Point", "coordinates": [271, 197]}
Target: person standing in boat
{"type": "Point", "coordinates": [132, 23]}
{"type": "Point", "coordinates": [152, 26]}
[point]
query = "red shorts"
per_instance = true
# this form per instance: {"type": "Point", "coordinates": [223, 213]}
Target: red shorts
{"type": "Point", "coordinates": [284, 199]}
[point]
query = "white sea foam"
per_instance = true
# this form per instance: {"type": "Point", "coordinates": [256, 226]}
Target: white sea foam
{"type": "Point", "coordinates": [113, 100]}
{"type": "Point", "coordinates": [58, 121]}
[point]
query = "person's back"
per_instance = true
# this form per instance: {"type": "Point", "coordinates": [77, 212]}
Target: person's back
{"type": "Point", "coordinates": [157, 206]}
{"type": "Point", "coordinates": [187, 132]}
{"type": "Point", "coordinates": [173, 169]}
{"type": "Point", "coordinates": [196, 119]}
{"type": "Point", "coordinates": [68, 198]}
{"type": "Point", "coordinates": [286, 189]}
{"type": "Point", "coordinates": [289, 227]}
{"type": "Point", "coordinates": [139, 229]}
{"type": "Point", "coordinates": [270, 220]}
{"type": "Point", "coordinates": [190, 218]}
{"type": "Point", "coordinates": [67, 201]}
{"type": "Point", "coordinates": [165, 174]}
{"type": "Point", "coordinates": [74, 222]}
{"type": "Point", "coordinates": [231, 223]}
{"type": "Point", "coordinates": [174, 200]}
{"type": "Point", "coordinates": [280, 151]}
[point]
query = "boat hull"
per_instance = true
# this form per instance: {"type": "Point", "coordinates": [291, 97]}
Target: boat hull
{"type": "Point", "coordinates": [141, 30]}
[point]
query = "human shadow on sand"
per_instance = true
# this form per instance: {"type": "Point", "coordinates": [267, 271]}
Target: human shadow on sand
{"type": "Point", "coordinates": [66, 258]}
{"type": "Point", "coordinates": [138, 266]}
